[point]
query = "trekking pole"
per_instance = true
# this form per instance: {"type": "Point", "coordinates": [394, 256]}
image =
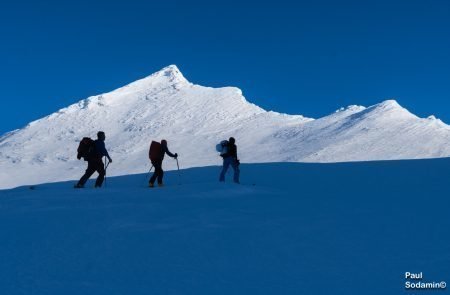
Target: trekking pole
{"type": "Point", "coordinates": [106, 167]}
{"type": "Point", "coordinates": [179, 175]}
{"type": "Point", "coordinates": [148, 173]}
{"type": "Point", "coordinates": [150, 170]}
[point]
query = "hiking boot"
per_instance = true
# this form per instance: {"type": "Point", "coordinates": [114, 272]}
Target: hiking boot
{"type": "Point", "coordinates": [78, 186]}
{"type": "Point", "coordinates": [160, 184]}
{"type": "Point", "coordinates": [151, 184]}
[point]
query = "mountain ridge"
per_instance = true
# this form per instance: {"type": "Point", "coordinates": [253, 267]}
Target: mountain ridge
{"type": "Point", "coordinates": [194, 118]}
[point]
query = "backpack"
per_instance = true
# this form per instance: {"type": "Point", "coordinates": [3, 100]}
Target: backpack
{"type": "Point", "coordinates": [222, 147]}
{"type": "Point", "coordinates": [155, 151]}
{"type": "Point", "coordinates": [85, 148]}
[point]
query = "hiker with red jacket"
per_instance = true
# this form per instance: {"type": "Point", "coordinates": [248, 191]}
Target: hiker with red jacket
{"type": "Point", "coordinates": [230, 158]}
{"type": "Point", "coordinates": [156, 155]}
{"type": "Point", "coordinates": [94, 155]}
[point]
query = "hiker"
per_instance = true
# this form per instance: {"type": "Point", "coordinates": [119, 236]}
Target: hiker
{"type": "Point", "coordinates": [94, 158]}
{"type": "Point", "coordinates": [156, 155]}
{"type": "Point", "coordinates": [230, 158]}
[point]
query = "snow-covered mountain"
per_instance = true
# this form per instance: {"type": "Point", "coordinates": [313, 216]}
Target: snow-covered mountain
{"type": "Point", "coordinates": [194, 118]}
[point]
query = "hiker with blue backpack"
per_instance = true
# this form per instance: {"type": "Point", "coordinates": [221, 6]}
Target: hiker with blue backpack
{"type": "Point", "coordinates": [93, 152]}
{"type": "Point", "coordinates": [228, 151]}
{"type": "Point", "coordinates": [156, 155]}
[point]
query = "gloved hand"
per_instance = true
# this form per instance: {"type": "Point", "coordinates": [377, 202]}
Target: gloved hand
{"type": "Point", "coordinates": [110, 160]}
{"type": "Point", "coordinates": [238, 162]}
{"type": "Point", "coordinates": [176, 155]}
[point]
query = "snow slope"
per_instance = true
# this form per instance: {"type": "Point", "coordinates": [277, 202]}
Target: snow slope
{"type": "Point", "coordinates": [194, 118]}
{"type": "Point", "coordinates": [344, 228]}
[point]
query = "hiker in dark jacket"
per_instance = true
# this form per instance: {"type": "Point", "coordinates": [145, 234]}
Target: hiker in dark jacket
{"type": "Point", "coordinates": [230, 158]}
{"type": "Point", "coordinates": [157, 163]}
{"type": "Point", "coordinates": [95, 162]}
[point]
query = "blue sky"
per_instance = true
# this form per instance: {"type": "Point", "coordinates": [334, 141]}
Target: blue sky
{"type": "Point", "coordinates": [308, 58]}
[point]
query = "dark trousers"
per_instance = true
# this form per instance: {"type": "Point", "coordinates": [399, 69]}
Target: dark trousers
{"type": "Point", "coordinates": [159, 173]}
{"type": "Point", "coordinates": [94, 166]}
{"type": "Point", "coordinates": [227, 162]}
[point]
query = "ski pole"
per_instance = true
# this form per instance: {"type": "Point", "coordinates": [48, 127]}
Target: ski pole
{"type": "Point", "coordinates": [106, 167]}
{"type": "Point", "coordinates": [150, 170]}
{"type": "Point", "coordinates": [148, 173]}
{"type": "Point", "coordinates": [179, 175]}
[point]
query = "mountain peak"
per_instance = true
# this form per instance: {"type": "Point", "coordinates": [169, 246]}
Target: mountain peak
{"type": "Point", "coordinates": [387, 106]}
{"type": "Point", "coordinates": [171, 70]}
{"type": "Point", "coordinates": [172, 73]}
{"type": "Point", "coordinates": [351, 108]}
{"type": "Point", "coordinates": [390, 103]}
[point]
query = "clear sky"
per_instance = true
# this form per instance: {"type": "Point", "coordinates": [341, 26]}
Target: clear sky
{"type": "Point", "coordinates": [299, 57]}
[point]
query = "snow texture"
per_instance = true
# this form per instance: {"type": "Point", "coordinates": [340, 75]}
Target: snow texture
{"type": "Point", "coordinates": [194, 119]}
{"type": "Point", "coordinates": [291, 228]}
